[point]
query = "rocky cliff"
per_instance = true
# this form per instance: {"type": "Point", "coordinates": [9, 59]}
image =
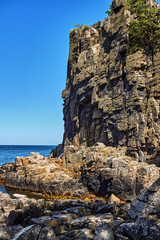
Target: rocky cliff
{"type": "Point", "coordinates": [111, 107]}
{"type": "Point", "coordinates": [111, 96]}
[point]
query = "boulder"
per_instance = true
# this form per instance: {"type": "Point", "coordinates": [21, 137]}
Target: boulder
{"type": "Point", "coordinates": [42, 175]}
{"type": "Point", "coordinates": [144, 217]}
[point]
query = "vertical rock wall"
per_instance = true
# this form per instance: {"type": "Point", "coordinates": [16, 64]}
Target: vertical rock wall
{"type": "Point", "coordinates": [110, 96]}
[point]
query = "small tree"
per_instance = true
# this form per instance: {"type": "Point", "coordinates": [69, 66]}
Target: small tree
{"type": "Point", "coordinates": [144, 30]}
{"type": "Point", "coordinates": [110, 9]}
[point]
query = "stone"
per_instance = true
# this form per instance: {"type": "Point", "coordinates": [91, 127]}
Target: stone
{"type": "Point", "coordinates": [155, 186]}
{"type": "Point", "coordinates": [19, 196]}
{"type": "Point", "coordinates": [114, 199]}
{"type": "Point", "coordinates": [108, 170]}
{"type": "Point", "coordinates": [121, 237]}
{"type": "Point", "coordinates": [31, 232]}
{"type": "Point", "coordinates": [143, 222]}
{"type": "Point", "coordinates": [42, 175]}
{"type": "Point", "coordinates": [110, 147]}
{"type": "Point", "coordinates": [104, 233]}
{"type": "Point", "coordinates": [78, 219]}
{"type": "Point", "coordinates": [7, 204]}
{"type": "Point", "coordinates": [4, 235]}
{"type": "Point", "coordinates": [106, 209]}
{"type": "Point", "coordinates": [12, 231]}
{"type": "Point", "coordinates": [104, 171]}
{"type": "Point", "coordinates": [46, 233]}
{"type": "Point", "coordinates": [107, 97]}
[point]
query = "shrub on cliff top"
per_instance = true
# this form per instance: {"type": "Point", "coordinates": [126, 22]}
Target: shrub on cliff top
{"type": "Point", "coordinates": [132, 3]}
{"type": "Point", "coordinates": [144, 30]}
{"type": "Point", "coordinates": [85, 27]}
{"type": "Point", "coordinates": [110, 10]}
{"type": "Point", "coordinates": [81, 27]}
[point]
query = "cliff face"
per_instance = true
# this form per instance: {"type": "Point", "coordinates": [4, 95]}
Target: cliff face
{"type": "Point", "coordinates": [110, 96]}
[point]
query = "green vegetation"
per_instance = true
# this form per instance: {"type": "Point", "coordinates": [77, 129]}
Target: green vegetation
{"type": "Point", "coordinates": [110, 10]}
{"type": "Point", "coordinates": [144, 30]}
{"type": "Point", "coordinates": [81, 27]}
{"type": "Point", "coordinates": [131, 3]}
{"type": "Point", "coordinates": [85, 27]}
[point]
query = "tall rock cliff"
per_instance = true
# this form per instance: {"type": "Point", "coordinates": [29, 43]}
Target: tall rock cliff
{"type": "Point", "coordinates": [112, 96]}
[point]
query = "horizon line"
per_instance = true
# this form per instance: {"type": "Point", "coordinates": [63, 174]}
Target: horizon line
{"type": "Point", "coordinates": [28, 144]}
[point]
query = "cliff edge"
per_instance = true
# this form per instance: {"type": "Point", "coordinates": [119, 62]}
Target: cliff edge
{"type": "Point", "coordinates": [111, 96]}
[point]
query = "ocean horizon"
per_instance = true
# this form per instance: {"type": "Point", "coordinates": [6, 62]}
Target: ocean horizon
{"type": "Point", "coordinates": [8, 153]}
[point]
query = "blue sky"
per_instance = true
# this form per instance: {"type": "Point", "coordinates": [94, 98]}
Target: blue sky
{"type": "Point", "coordinates": [34, 46]}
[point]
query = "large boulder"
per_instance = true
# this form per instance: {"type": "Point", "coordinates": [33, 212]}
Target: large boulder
{"type": "Point", "coordinates": [106, 170]}
{"type": "Point", "coordinates": [43, 175]}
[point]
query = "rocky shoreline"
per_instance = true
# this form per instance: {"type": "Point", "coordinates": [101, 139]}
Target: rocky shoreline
{"type": "Point", "coordinates": [98, 169]}
{"type": "Point", "coordinates": [101, 219]}
{"type": "Point", "coordinates": [107, 171]}
{"type": "Point", "coordinates": [42, 175]}
{"type": "Point", "coordinates": [108, 168]}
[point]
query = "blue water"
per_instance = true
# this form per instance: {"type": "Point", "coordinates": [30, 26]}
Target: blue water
{"type": "Point", "coordinates": [9, 152]}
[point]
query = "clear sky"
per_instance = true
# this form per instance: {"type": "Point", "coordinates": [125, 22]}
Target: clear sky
{"type": "Point", "coordinates": [34, 46]}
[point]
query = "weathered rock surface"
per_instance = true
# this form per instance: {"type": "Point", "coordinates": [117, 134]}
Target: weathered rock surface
{"type": "Point", "coordinates": [98, 169]}
{"type": "Point", "coordinates": [106, 170]}
{"type": "Point", "coordinates": [84, 220]}
{"type": "Point", "coordinates": [110, 100]}
{"type": "Point", "coordinates": [62, 219]}
{"type": "Point", "coordinates": [110, 96]}
{"type": "Point", "coordinates": [144, 215]}
{"type": "Point", "coordinates": [6, 205]}
{"type": "Point", "coordinates": [111, 108]}
{"type": "Point", "coordinates": [39, 174]}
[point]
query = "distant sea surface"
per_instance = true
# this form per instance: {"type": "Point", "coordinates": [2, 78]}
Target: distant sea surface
{"type": "Point", "coordinates": [9, 152]}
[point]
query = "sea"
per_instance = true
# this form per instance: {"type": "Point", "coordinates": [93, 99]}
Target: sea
{"type": "Point", "coordinates": [9, 152]}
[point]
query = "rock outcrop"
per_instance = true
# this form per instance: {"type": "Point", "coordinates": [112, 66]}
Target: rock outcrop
{"type": "Point", "coordinates": [79, 170]}
{"type": "Point", "coordinates": [106, 170]}
{"type": "Point", "coordinates": [67, 220]}
{"type": "Point", "coordinates": [111, 108]}
{"type": "Point", "coordinates": [111, 147]}
{"type": "Point", "coordinates": [112, 96]}
{"type": "Point", "coordinates": [76, 219]}
{"type": "Point", "coordinates": [144, 215]}
{"type": "Point", "coordinates": [6, 205]}
{"type": "Point", "coordinates": [43, 175]}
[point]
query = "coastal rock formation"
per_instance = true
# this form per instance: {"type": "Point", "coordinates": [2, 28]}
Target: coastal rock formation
{"type": "Point", "coordinates": [6, 205]}
{"type": "Point", "coordinates": [112, 96]}
{"type": "Point", "coordinates": [43, 175]}
{"type": "Point", "coordinates": [144, 215]}
{"type": "Point", "coordinates": [98, 169]}
{"type": "Point", "coordinates": [106, 170]}
{"type": "Point", "coordinates": [110, 147]}
{"type": "Point", "coordinates": [83, 220]}
{"type": "Point", "coordinates": [111, 108]}
{"type": "Point", "coordinates": [67, 219]}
